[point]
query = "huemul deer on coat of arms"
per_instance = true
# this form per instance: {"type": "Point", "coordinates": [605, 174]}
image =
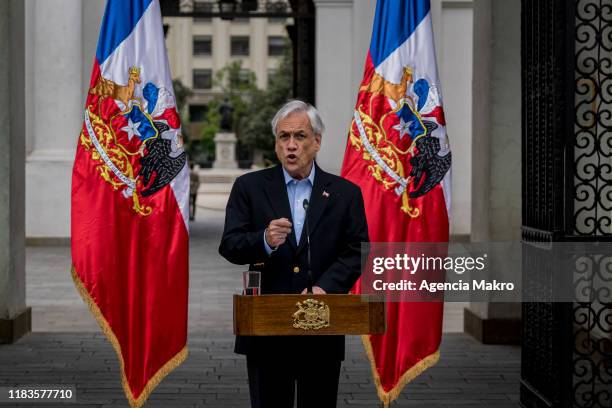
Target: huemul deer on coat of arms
{"type": "Point", "coordinates": [379, 85]}
{"type": "Point", "coordinates": [123, 93]}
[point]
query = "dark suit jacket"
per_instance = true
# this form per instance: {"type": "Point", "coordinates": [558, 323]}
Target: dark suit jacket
{"type": "Point", "coordinates": [337, 223]}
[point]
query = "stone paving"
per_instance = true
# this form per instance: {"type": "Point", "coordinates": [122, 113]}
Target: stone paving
{"type": "Point", "coordinates": [67, 348]}
{"type": "Point", "coordinates": [468, 374]}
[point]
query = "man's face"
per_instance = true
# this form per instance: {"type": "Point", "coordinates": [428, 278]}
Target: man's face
{"type": "Point", "coordinates": [296, 144]}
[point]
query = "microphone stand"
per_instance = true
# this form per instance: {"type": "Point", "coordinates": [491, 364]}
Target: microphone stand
{"type": "Point", "coordinates": [306, 204]}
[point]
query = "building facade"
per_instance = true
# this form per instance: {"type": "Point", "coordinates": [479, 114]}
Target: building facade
{"type": "Point", "coordinates": [198, 48]}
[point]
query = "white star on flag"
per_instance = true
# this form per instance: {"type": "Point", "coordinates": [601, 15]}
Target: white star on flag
{"type": "Point", "coordinates": [403, 128]}
{"type": "Point", "coordinates": [131, 129]}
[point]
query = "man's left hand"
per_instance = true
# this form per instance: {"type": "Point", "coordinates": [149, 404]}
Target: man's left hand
{"type": "Point", "coordinates": [315, 291]}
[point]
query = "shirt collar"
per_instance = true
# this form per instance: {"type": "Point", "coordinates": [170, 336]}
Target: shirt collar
{"type": "Point", "coordinates": [310, 177]}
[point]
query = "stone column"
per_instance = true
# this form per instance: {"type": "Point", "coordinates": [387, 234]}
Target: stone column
{"type": "Point", "coordinates": [92, 12]}
{"type": "Point", "coordinates": [15, 317]}
{"type": "Point", "coordinates": [220, 43]}
{"type": "Point", "coordinates": [496, 152]}
{"type": "Point", "coordinates": [335, 90]}
{"type": "Point", "coordinates": [481, 121]}
{"type": "Point", "coordinates": [259, 50]}
{"type": "Point", "coordinates": [362, 18]}
{"type": "Point", "coordinates": [55, 116]}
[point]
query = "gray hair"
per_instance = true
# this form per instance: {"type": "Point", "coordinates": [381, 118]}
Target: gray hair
{"type": "Point", "coordinates": [299, 106]}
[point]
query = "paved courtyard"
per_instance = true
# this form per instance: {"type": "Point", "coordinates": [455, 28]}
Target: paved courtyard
{"type": "Point", "coordinates": [468, 375]}
{"type": "Point", "coordinates": [66, 347]}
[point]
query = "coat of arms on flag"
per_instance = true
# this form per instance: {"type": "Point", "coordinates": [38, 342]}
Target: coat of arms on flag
{"type": "Point", "coordinates": [398, 153]}
{"type": "Point", "coordinates": [120, 126]}
{"type": "Point", "coordinates": [130, 187]}
{"type": "Point", "coordinates": [412, 128]}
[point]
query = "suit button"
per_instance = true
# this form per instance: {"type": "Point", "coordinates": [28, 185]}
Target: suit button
{"type": "Point", "coordinates": [296, 269]}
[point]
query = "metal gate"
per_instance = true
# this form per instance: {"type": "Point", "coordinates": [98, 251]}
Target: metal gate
{"type": "Point", "coordinates": [567, 196]}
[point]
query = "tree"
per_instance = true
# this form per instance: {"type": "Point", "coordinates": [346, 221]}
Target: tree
{"type": "Point", "coordinates": [238, 86]}
{"type": "Point", "coordinates": [181, 94]}
{"type": "Point", "coordinates": [280, 89]}
{"type": "Point", "coordinates": [253, 107]}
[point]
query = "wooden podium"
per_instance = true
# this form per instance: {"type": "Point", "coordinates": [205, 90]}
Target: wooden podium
{"type": "Point", "coordinates": [293, 315]}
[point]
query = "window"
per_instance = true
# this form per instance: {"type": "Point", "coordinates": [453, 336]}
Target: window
{"type": "Point", "coordinates": [202, 7]}
{"type": "Point", "coordinates": [197, 113]}
{"type": "Point", "coordinates": [202, 45]}
{"type": "Point", "coordinates": [241, 79]}
{"type": "Point", "coordinates": [276, 46]}
{"type": "Point", "coordinates": [240, 45]}
{"type": "Point", "coordinates": [202, 78]}
{"type": "Point", "coordinates": [248, 5]}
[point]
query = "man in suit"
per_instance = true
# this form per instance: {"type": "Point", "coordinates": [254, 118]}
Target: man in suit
{"type": "Point", "coordinates": [264, 227]}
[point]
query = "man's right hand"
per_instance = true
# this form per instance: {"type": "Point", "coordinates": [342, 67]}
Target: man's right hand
{"type": "Point", "coordinates": [277, 232]}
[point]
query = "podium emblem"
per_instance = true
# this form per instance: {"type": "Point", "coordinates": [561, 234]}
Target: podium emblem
{"type": "Point", "coordinates": [311, 315]}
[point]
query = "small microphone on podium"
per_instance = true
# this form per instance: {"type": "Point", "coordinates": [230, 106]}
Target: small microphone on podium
{"type": "Point", "coordinates": [305, 204]}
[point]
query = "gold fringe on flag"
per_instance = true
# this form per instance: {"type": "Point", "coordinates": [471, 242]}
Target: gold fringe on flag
{"type": "Point", "coordinates": [388, 397]}
{"type": "Point", "coordinates": [154, 381]}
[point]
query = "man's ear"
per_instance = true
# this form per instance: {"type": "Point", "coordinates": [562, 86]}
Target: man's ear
{"type": "Point", "coordinates": [318, 139]}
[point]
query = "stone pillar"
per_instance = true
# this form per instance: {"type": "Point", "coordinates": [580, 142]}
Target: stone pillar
{"type": "Point", "coordinates": [221, 43]}
{"type": "Point", "coordinates": [55, 117]}
{"type": "Point", "coordinates": [453, 22]}
{"type": "Point", "coordinates": [225, 151]}
{"type": "Point", "coordinates": [259, 50]}
{"type": "Point", "coordinates": [481, 121]}
{"type": "Point", "coordinates": [496, 152]}
{"type": "Point", "coordinates": [15, 317]}
{"type": "Point", "coordinates": [92, 12]}
{"type": "Point", "coordinates": [335, 89]}
{"type": "Point", "coordinates": [362, 20]}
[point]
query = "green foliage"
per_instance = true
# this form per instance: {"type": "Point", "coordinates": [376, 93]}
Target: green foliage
{"type": "Point", "coordinates": [238, 86]}
{"type": "Point", "coordinates": [280, 89]}
{"type": "Point", "coordinates": [181, 94]}
{"type": "Point", "coordinates": [211, 127]}
{"type": "Point", "coordinates": [253, 107]}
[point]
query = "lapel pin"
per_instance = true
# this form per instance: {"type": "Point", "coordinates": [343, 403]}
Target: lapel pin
{"type": "Point", "coordinates": [325, 194]}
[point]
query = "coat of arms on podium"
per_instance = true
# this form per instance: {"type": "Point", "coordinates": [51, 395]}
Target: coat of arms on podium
{"type": "Point", "coordinates": [311, 315]}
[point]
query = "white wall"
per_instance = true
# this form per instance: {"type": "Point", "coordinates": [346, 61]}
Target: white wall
{"type": "Point", "coordinates": [336, 74]}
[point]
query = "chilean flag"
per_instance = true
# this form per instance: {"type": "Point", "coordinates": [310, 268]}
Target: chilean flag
{"type": "Point", "coordinates": [130, 187]}
{"type": "Point", "coordinates": [398, 153]}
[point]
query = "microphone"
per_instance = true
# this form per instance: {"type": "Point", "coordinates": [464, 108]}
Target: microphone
{"type": "Point", "coordinates": [306, 204]}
